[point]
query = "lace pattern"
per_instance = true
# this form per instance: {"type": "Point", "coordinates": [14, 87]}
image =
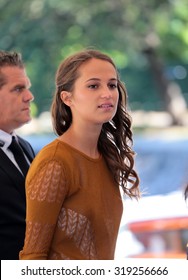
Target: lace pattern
{"type": "Point", "coordinates": [48, 184]}
{"type": "Point", "coordinates": [78, 228]}
{"type": "Point", "coordinates": [38, 237]}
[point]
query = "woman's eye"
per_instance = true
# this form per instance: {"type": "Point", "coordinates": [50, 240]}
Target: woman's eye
{"type": "Point", "coordinates": [110, 86]}
{"type": "Point", "coordinates": [113, 86]}
{"type": "Point", "coordinates": [93, 86]}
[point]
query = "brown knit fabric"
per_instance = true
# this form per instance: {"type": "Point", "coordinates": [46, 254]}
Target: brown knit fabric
{"type": "Point", "coordinates": [73, 206]}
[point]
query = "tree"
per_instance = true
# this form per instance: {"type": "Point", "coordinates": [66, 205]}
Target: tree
{"type": "Point", "coordinates": [46, 31]}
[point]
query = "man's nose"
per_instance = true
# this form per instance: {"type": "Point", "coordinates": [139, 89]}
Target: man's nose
{"type": "Point", "coordinates": [29, 96]}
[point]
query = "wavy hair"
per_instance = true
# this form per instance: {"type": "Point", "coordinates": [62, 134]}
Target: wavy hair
{"type": "Point", "coordinates": [115, 140]}
{"type": "Point", "coordinates": [186, 193]}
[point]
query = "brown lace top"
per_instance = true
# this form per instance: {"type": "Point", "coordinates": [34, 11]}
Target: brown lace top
{"type": "Point", "coordinates": [73, 206]}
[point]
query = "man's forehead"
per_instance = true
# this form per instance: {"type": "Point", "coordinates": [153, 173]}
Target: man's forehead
{"type": "Point", "coordinates": [12, 69]}
{"type": "Point", "coordinates": [15, 75]}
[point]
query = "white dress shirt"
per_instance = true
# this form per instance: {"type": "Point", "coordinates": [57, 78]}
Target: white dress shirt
{"type": "Point", "coordinates": [6, 138]}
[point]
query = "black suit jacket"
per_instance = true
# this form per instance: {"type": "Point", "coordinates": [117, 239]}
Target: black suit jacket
{"type": "Point", "coordinates": [12, 205]}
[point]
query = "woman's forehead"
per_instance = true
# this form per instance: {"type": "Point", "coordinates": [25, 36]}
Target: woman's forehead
{"type": "Point", "coordinates": [95, 67]}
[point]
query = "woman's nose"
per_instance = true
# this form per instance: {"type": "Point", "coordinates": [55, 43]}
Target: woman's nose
{"type": "Point", "coordinates": [106, 93]}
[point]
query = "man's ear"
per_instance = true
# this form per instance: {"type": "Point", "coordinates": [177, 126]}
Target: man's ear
{"type": "Point", "coordinates": [66, 97]}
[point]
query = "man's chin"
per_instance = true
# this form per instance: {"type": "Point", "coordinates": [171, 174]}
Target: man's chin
{"type": "Point", "coordinates": [25, 121]}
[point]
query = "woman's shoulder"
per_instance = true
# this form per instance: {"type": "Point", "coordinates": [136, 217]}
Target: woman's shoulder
{"type": "Point", "coordinates": [50, 157]}
{"type": "Point", "coordinates": [55, 151]}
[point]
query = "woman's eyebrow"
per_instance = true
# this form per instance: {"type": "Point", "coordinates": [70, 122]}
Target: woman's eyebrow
{"type": "Point", "coordinates": [98, 79]}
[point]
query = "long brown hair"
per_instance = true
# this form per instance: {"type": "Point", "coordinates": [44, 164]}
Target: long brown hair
{"type": "Point", "coordinates": [186, 193]}
{"type": "Point", "coordinates": [115, 139]}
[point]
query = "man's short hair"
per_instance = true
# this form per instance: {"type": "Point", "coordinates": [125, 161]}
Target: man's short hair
{"type": "Point", "coordinates": [12, 59]}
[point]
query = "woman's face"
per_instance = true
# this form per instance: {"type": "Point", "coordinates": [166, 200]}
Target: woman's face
{"type": "Point", "coordinates": [95, 95]}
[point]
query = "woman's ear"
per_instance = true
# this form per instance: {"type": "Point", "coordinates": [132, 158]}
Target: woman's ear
{"type": "Point", "coordinates": [66, 97]}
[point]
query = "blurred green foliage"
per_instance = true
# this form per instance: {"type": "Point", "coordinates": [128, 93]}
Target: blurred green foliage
{"type": "Point", "coordinates": [46, 31]}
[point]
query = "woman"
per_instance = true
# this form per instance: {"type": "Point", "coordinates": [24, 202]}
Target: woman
{"type": "Point", "coordinates": [74, 205]}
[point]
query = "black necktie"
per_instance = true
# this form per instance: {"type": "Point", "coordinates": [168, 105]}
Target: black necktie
{"type": "Point", "coordinates": [19, 156]}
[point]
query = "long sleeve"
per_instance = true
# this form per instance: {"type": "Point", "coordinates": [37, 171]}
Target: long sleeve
{"type": "Point", "coordinates": [45, 191]}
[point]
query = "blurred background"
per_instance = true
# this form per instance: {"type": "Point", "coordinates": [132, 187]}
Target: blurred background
{"type": "Point", "coordinates": [148, 41]}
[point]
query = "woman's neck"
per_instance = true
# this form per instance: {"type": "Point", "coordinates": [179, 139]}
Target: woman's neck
{"type": "Point", "coordinates": [84, 141]}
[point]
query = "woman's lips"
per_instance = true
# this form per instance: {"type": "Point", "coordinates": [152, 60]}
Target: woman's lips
{"type": "Point", "coordinates": [105, 106]}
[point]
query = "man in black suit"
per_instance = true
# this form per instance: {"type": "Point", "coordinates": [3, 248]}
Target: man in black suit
{"type": "Point", "coordinates": [15, 98]}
